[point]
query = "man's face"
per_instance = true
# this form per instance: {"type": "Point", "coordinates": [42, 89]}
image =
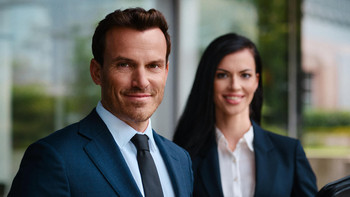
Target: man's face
{"type": "Point", "coordinates": [134, 74]}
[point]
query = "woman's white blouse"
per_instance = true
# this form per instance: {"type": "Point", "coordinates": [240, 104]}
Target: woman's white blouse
{"type": "Point", "coordinates": [237, 168]}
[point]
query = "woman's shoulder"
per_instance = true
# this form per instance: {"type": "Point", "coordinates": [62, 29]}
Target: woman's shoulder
{"type": "Point", "coordinates": [276, 138]}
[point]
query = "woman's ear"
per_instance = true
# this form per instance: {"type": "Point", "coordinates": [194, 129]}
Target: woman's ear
{"type": "Point", "coordinates": [95, 71]}
{"type": "Point", "coordinates": [257, 80]}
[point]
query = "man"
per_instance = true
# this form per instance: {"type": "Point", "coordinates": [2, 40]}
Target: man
{"type": "Point", "coordinates": [99, 156]}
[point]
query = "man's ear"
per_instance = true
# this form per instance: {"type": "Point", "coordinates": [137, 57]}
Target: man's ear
{"type": "Point", "coordinates": [166, 71]}
{"type": "Point", "coordinates": [167, 67]}
{"type": "Point", "coordinates": [95, 71]}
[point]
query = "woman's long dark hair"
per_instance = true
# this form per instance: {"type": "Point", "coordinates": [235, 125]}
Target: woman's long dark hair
{"type": "Point", "coordinates": [196, 127]}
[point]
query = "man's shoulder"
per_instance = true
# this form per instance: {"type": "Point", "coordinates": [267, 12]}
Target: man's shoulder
{"type": "Point", "coordinates": [68, 135]}
{"type": "Point", "coordinates": [63, 133]}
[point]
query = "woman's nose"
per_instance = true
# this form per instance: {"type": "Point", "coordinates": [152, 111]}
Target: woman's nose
{"type": "Point", "coordinates": [235, 83]}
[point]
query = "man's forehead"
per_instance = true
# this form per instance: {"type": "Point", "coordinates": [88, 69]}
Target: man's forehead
{"type": "Point", "coordinates": [129, 43]}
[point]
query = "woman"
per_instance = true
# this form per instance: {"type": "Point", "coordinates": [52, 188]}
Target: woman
{"type": "Point", "coordinates": [231, 154]}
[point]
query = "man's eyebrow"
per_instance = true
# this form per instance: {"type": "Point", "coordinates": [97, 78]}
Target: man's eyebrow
{"type": "Point", "coordinates": [120, 58]}
{"type": "Point", "coordinates": [160, 61]}
{"type": "Point", "coordinates": [125, 59]}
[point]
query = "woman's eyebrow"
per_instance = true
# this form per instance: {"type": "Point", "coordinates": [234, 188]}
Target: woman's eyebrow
{"type": "Point", "coordinates": [221, 69]}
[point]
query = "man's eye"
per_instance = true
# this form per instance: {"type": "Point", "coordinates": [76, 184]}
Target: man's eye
{"type": "Point", "coordinates": [154, 66]}
{"type": "Point", "coordinates": [123, 65]}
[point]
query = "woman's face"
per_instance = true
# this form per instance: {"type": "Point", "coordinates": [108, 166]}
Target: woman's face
{"type": "Point", "coordinates": [235, 83]}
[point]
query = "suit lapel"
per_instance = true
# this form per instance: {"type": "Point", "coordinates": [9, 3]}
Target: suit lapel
{"type": "Point", "coordinates": [105, 154]}
{"type": "Point", "coordinates": [172, 164]}
{"type": "Point", "coordinates": [265, 162]}
{"type": "Point", "coordinates": [209, 172]}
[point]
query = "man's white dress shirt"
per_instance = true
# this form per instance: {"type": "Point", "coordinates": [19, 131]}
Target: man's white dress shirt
{"type": "Point", "coordinates": [237, 168]}
{"type": "Point", "coordinates": [122, 134]}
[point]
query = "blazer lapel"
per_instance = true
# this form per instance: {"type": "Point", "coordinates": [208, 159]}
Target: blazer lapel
{"type": "Point", "coordinates": [106, 155]}
{"type": "Point", "coordinates": [209, 171]}
{"type": "Point", "coordinates": [172, 163]}
{"type": "Point", "coordinates": [265, 162]}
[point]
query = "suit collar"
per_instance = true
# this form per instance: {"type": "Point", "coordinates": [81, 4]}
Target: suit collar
{"type": "Point", "coordinates": [209, 171]}
{"type": "Point", "coordinates": [261, 140]}
{"type": "Point", "coordinates": [172, 163]}
{"type": "Point", "coordinates": [105, 154]}
{"type": "Point", "coordinates": [265, 161]}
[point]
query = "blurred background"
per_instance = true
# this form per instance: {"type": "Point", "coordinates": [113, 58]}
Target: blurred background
{"type": "Point", "coordinates": [45, 51]}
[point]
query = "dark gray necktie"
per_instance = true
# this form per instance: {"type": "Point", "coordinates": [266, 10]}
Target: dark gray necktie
{"type": "Point", "coordinates": [149, 175]}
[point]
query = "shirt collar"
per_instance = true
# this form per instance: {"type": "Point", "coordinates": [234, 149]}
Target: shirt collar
{"type": "Point", "coordinates": [248, 138]}
{"type": "Point", "coordinates": [122, 132]}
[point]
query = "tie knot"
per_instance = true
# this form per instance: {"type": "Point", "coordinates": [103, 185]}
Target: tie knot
{"type": "Point", "coordinates": [141, 142]}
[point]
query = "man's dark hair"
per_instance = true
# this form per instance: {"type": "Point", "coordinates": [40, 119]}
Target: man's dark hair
{"type": "Point", "coordinates": [135, 18]}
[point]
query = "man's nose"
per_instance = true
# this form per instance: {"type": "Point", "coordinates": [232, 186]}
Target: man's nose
{"type": "Point", "coordinates": [139, 78]}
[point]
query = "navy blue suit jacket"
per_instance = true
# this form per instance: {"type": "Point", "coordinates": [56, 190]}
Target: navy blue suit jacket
{"type": "Point", "coordinates": [84, 160]}
{"type": "Point", "coordinates": [282, 168]}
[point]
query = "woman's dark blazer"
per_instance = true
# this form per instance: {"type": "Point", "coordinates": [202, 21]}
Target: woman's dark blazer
{"type": "Point", "coordinates": [282, 168]}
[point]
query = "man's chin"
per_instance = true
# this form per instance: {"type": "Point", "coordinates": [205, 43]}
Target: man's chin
{"type": "Point", "coordinates": [140, 115]}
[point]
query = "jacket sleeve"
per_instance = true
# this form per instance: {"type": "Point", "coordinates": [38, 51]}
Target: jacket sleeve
{"type": "Point", "coordinates": [41, 173]}
{"type": "Point", "coordinates": [190, 172]}
{"type": "Point", "coordinates": [305, 179]}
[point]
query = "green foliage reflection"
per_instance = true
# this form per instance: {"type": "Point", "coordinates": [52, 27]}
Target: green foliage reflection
{"type": "Point", "coordinates": [32, 114]}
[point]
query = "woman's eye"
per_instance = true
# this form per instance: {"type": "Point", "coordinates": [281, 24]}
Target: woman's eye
{"type": "Point", "coordinates": [246, 75]}
{"type": "Point", "coordinates": [221, 75]}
